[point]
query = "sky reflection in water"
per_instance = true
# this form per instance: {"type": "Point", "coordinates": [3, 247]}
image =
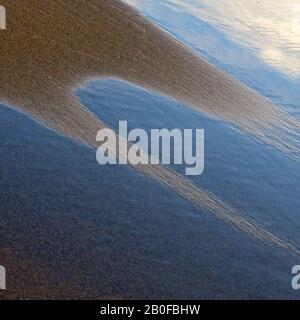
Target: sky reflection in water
{"type": "Point", "coordinates": [258, 42]}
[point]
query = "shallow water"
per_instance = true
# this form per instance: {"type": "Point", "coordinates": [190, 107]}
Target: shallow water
{"type": "Point", "coordinates": [257, 42]}
{"type": "Point", "coordinates": [107, 231]}
{"type": "Point", "coordinates": [123, 231]}
{"type": "Point", "coordinates": [239, 170]}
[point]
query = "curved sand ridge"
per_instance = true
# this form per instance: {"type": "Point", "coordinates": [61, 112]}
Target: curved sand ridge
{"type": "Point", "coordinates": [50, 47]}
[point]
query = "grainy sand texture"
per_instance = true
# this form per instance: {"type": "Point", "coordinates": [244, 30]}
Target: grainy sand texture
{"type": "Point", "coordinates": [51, 47]}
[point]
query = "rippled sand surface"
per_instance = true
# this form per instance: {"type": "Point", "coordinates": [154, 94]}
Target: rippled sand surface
{"type": "Point", "coordinates": [51, 47]}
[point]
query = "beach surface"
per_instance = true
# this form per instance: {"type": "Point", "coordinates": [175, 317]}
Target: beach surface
{"type": "Point", "coordinates": [50, 48]}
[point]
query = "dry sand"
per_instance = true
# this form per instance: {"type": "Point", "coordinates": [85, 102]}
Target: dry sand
{"type": "Point", "coordinates": [51, 47]}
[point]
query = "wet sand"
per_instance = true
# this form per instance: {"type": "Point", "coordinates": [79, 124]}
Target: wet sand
{"type": "Point", "coordinates": [49, 48]}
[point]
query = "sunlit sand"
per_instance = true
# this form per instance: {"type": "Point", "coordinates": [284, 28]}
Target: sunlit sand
{"type": "Point", "coordinates": [52, 47]}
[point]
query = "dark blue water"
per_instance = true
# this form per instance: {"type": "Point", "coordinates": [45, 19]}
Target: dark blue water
{"type": "Point", "coordinates": [126, 235]}
{"type": "Point", "coordinates": [239, 170]}
{"type": "Point", "coordinates": [110, 229]}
